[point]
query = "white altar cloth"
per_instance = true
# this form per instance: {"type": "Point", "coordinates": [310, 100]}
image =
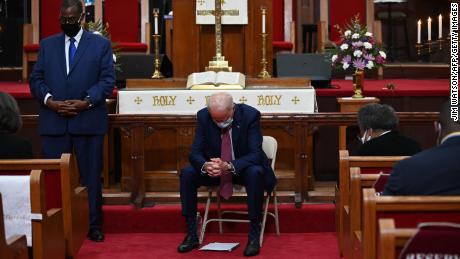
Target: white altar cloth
{"type": "Point", "coordinates": [188, 102]}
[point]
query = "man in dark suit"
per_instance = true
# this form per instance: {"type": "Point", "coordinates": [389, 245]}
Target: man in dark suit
{"type": "Point", "coordinates": [435, 171]}
{"type": "Point", "coordinates": [227, 148]}
{"type": "Point", "coordinates": [377, 123]}
{"type": "Point", "coordinates": [73, 76]}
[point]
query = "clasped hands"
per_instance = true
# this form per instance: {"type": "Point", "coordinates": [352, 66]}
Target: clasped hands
{"type": "Point", "coordinates": [216, 167]}
{"type": "Point", "coordinates": [67, 108]}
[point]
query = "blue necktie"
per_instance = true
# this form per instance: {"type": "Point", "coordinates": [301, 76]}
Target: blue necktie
{"type": "Point", "coordinates": [72, 50]}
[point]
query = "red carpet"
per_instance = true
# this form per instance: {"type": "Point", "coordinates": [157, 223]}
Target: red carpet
{"type": "Point", "coordinates": [124, 219]}
{"type": "Point", "coordinates": [154, 245]}
{"type": "Point", "coordinates": [156, 232]}
{"type": "Point", "coordinates": [377, 88]}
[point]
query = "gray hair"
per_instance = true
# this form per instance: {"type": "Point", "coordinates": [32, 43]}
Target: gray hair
{"type": "Point", "coordinates": [377, 116]}
{"type": "Point", "coordinates": [220, 101]}
{"type": "Point", "coordinates": [72, 3]}
{"type": "Point", "coordinates": [10, 117]}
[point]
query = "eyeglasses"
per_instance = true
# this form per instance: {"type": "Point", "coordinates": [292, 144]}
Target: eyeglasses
{"type": "Point", "coordinates": [69, 20]}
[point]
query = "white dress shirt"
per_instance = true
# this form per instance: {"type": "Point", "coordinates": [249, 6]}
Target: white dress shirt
{"type": "Point", "coordinates": [66, 48]}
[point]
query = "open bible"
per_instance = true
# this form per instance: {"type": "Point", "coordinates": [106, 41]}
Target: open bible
{"type": "Point", "coordinates": [216, 80]}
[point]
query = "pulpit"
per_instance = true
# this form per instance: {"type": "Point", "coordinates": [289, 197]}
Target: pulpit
{"type": "Point", "coordinates": [194, 45]}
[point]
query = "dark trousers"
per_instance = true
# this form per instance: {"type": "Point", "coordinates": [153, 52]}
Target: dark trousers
{"type": "Point", "coordinates": [252, 179]}
{"type": "Point", "coordinates": [88, 150]}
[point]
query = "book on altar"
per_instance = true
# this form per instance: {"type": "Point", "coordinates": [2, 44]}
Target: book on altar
{"type": "Point", "coordinates": [223, 247]}
{"type": "Point", "coordinates": [216, 80]}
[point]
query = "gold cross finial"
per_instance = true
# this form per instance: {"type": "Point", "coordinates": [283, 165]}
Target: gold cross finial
{"type": "Point", "coordinates": [190, 100]}
{"type": "Point", "coordinates": [138, 100]}
{"type": "Point", "coordinates": [243, 99]}
{"type": "Point", "coordinates": [295, 100]}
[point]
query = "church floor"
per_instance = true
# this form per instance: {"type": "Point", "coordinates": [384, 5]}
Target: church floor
{"type": "Point", "coordinates": [155, 232]}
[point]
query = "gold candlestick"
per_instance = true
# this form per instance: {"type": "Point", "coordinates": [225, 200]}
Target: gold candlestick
{"type": "Point", "coordinates": [156, 38]}
{"type": "Point", "coordinates": [264, 73]}
{"type": "Point", "coordinates": [157, 74]}
{"type": "Point", "coordinates": [418, 46]}
{"type": "Point", "coordinates": [430, 43]}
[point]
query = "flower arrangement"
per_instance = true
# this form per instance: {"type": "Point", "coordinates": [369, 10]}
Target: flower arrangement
{"type": "Point", "coordinates": [99, 28]}
{"type": "Point", "coordinates": [357, 48]}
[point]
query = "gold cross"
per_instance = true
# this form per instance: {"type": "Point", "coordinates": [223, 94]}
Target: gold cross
{"type": "Point", "coordinates": [138, 100]}
{"type": "Point", "coordinates": [243, 99]}
{"type": "Point", "coordinates": [190, 100]}
{"type": "Point", "coordinates": [295, 100]}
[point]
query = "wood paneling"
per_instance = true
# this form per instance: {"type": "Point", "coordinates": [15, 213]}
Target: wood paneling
{"type": "Point", "coordinates": [194, 45]}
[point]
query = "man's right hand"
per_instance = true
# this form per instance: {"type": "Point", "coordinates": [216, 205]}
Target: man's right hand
{"type": "Point", "coordinates": [61, 107]}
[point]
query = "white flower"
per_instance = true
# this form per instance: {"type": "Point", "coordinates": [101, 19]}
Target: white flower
{"type": "Point", "coordinates": [367, 45]}
{"type": "Point", "coordinates": [368, 34]}
{"type": "Point", "coordinates": [114, 58]}
{"type": "Point", "coordinates": [344, 46]}
{"type": "Point", "coordinates": [370, 64]}
{"type": "Point", "coordinates": [347, 33]}
{"type": "Point", "coordinates": [334, 58]}
{"type": "Point", "coordinates": [383, 54]}
{"type": "Point", "coordinates": [97, 33]}
{"type": "Point", "coordinates": [345, 66]}
{"type": "Point", "coordinates": [355, 36]}
{"type": "Point", "coordinates": [357, 53]}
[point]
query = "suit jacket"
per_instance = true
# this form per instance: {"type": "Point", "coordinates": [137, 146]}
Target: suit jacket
{"type": "Point", "coordinates": [91, 74]}
{"type": "Point", "coordinates": [390, 144]}
{"type": "Point", "coordinates": [15, 147]}
{"type": "Point", "coordinates": [435, 171]}
{"type": "Point", "coordinates": [246, 142]}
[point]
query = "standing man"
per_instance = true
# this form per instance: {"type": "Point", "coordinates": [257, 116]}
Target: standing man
{"type": "Point", "coordinates": [227, 148]}
{"type": "Point", "coordinates": [73, 76]}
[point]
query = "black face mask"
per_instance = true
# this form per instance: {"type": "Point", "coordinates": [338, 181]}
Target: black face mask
{"type": "Point", "coordinates": [70, 29]}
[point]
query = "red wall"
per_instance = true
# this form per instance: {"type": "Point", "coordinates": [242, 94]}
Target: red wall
{"type": "Point", "coordinates": [342, 11]}
{"type": "Point", "coordinates": [49, 17]}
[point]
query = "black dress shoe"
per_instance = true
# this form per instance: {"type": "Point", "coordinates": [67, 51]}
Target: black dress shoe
{"type": "Point", "coordinates": [188, 244]}
{"type": "Point", "coordinates": [252, 248]}
{"type": "Point", "coordinates": [96, 235]}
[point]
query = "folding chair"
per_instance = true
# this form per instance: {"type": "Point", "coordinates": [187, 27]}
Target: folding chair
{"type": "Point", "coordinates": [269, 146]}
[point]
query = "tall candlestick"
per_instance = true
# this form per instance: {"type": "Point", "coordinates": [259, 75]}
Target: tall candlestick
{"type": "Point", "coordinates": [155, 14]}
{"type": "Point", "coordinates": [419, 31]}
{"type": "Point", "coordinates": [263, 19]}
{"type": "Point", "coordinates": [429, 28]}
{"type": "Point", "coordinates": [440, 26]}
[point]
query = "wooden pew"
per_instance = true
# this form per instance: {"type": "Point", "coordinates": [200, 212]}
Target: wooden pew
{"type": "Point", "coordinates": [47, 225]}
{"type": "Point", "coordinates": [342, 193]}
{"type": "Point", "coordinates": [74, 198]}
{"type": "Point", "coordinates": [14, 247]}
{"type": "Point", "coordinates": [392, 239]}
{"type": "Point", "coordinates": [407, 211]}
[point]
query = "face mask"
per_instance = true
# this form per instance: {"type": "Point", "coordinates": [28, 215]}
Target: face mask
{"type": "Point", "coordinates": [365, 138]}
{"type": "Point", "coordinates": [70, 29]}
{"type": "Point", "coordinates": [224, 124]}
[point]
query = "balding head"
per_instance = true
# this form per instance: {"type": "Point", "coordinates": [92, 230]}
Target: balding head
{"type": "Point", "coordinates": [220, 107]}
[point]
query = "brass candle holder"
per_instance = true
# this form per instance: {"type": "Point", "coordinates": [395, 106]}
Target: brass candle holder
{"type": "Point", "coordinates": [264, 73]}
{"type": "Point", "coordinates": [156, 39]}
{"type": "Point", "coordinates": [431, 46]}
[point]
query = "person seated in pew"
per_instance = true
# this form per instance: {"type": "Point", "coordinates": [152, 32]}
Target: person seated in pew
{"type": "Point", "coordinates": [435, 171]}
{"type": "Point", "coordinates": [12, 146]}
{"type": "Point", "coordinates": [227, 148]}
{"type": "Point", "coordinates": [377, 123]}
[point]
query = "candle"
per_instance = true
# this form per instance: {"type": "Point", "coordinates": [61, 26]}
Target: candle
{"type": "Point", "coordinates": [155, 14]}
{"type": "Point", "coordinates": [263, 20]}
{"type": "Point", "coordinates": [419, 31]}
{"type": "Point", "coordinates": [440, 26]}
{"type": "Point", "coordinates": [429, 28]}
